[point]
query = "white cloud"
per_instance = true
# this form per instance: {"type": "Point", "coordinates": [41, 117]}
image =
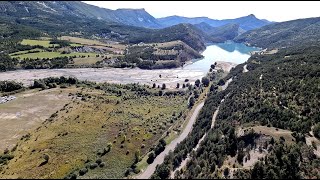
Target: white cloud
{"type": "Point", "coordinates": [270, 10]}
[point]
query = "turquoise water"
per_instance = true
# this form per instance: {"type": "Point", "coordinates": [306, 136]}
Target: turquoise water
{"type": "Point", "coordinates": [229, 52]}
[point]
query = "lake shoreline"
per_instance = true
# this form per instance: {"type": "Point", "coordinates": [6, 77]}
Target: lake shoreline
{"type": "Point", "coordinates": [227, 55]}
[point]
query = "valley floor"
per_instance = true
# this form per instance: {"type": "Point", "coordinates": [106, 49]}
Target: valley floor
{"type": "Point", "coordinates": [112, 75]}
{"type": "Point", "coordinates": [115, 75]}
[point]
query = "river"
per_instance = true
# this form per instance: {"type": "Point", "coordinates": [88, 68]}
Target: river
{"type": "Point", "coordinates": [225, 52]}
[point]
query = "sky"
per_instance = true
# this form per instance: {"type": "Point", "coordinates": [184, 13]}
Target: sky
{"type": "Point", "coordinates": [271, 10]}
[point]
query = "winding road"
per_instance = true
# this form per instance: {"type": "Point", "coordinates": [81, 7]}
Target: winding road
{"type": "Point", "coordinates": [170, 147]}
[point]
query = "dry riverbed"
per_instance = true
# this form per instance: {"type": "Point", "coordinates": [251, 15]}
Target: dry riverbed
{"type": "Point", "coordinates": [112, 75]}
{"type": "Point", "coordinates": [115, 75]}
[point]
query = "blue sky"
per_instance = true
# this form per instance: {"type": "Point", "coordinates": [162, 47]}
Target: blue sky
{"type": "Point", "coordinates": [270, 10]}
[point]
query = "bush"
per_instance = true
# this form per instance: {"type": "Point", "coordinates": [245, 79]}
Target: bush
{"type": "Point", "coordinates": [98, 161]}
{"type": "Point", "coordinates": [191, 101]}
{"type": "Point", "coordinates": [103, 164]}
{"type": "Point", "coordinates": [221, 82]}
{"type": "Point", "coordinates": [39, 84]}
{"type": "Point", "coordinates": [83, 171]}
{"type": "Point", "coordinates": [93, 165]}
{"type": "Point", "coordinates": [197, 83]}
{"type": "Point", "coordinates": [52, 85]}
{"type": "Point", "coordinates": [151, 157]}
{"type": "Point", "coordinates": [71, 176]}
{"type": "Point", "coordinates": [8, 86]}
{"type": "Point", "coordinates": [128, 171]}
{"type": "Point", "coordinates": [205, 81]}
{"type": "Point", "coordinates": [163, 86]}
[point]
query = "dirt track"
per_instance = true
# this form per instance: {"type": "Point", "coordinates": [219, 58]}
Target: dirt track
{"type": "Point", "coordinates": [170, 147]}
{"type": "Point", "coordinates": [112, 75]}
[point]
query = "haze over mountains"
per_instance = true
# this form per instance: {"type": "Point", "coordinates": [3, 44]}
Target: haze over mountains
{"type": "Point", "coordinates": [137, 25]}
{"type": "Point", "coordinates": [124, 25]}
{"type": "Point", "coordinates": [255, 120]}
{"type": "Point", "coordinates": [133, 17]}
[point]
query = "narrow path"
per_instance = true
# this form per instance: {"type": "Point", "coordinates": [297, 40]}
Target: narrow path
{"type": "Point", "coordinates": [170, 147]}
{"type": "Point", "coordinates": [184, 162]}
{"type": "Point", "coordinates": [245, 69]}
{"type": "Point", "coordinates": [224, 87]}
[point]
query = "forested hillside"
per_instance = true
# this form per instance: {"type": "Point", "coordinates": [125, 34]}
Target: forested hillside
{"type": "Point", "coordinates": [265, 125]}
{"type": "Point", "coordinates": [246, 22]}
{"type": "Point", "coordinates": [285, 34]}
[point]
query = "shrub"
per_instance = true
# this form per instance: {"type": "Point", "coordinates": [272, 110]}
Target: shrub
{"type": "Point", "coordinates": [103, 164]}
{"type": "Point", "coordinates": [163, 86]}
{"type": "Point", "coordinates": [98, 161]}
{"type": "Point", "coordinates": [83, 171]}
{"type": "Point", "coordinates": [93, 165]}
{"type": "Point", "coordinates": [221, 82]}
{"type": "Point", "coordinates": [205, 81]}
{"type": "Point", "coordinates": [151, 157]}
{"type": "Point", "coordinates": [197, 83]}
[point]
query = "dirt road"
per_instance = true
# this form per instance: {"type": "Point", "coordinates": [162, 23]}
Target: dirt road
{"type": "Point", "coordinates": [184, 162]}
{"type": "Point", "coordinates": [170, 147]}
{"type": "Point", "coordinates": [245, 69]}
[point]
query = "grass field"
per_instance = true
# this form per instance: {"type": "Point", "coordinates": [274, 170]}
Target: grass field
{"type": "Point", "coordinates": [26, 52]}
{"type": "Point", "coordinates": [44, 43]}
{"type": "Point", "coordinates": [50, 55]}
{"type": "Point", "coordinates": [27, 111]}
{"type": "Point", "coordinates": [82, 41]}
{"type": "Point", "coordinates": [94, 43]}
{"type": "Point", "coordinates": [86, 125]}
{"type": "Point", "coordinates": [75, 45]}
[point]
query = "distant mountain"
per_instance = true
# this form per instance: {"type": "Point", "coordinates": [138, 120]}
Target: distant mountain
{"type": "Point", "coordinates": [221, 33]}
{"type": "Point", "coordinates": [284, 34]}
{"type": "Point", "coordinates": [187, 33]}
{"type": "Point", "coordinates": [76, 18]}
{"type": "Point", "coordinates": [246, 23]}
{"type": "Point", "coordinates": [24, 9]}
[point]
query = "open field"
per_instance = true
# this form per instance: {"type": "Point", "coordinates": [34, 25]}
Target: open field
{"type": "Point", "coordinates": [113, 75]}
{"type": "Point", "coordinates": [92, 42]}
{"type": "Point", "coordinates": [75, 45]}
{"type": "Point", "coordinates": [44, 43]}
{"type": "Point", "coordinates": [50, 55]}
{"type": "Point", "coordinates": [74, 136]}
{"type": "Point", "coordinates": [82, 40]}
{"type": "Point", "coordinates": [28, 111]}
{"type": "Point", "coordinates": [26, 52]}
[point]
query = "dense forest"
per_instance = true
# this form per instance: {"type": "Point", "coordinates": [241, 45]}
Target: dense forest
{"type": "Point", "coordinates": [280, 90]}
{"type": "Point", "coordinates": [300, 32]}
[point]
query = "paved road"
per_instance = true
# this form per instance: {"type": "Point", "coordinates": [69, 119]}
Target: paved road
{"type": "Point", "coordinates": [170, 147]}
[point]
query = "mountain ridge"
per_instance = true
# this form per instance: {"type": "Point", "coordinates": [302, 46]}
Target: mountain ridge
{"type": "Point", "coordinates": [284, 34]}
{"type": "Point", "coordinates": [246, 22]}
